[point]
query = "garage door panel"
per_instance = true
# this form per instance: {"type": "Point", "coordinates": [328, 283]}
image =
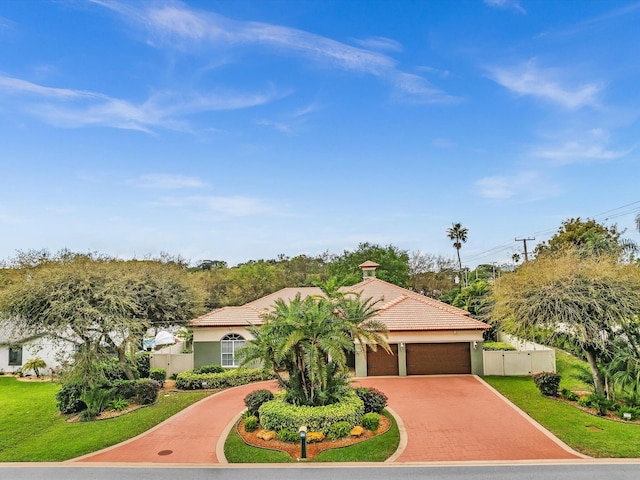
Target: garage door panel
{"type": "Point", "coordinates": [438, 358]}
{"type": "Point", "coordinates": [382, 363]}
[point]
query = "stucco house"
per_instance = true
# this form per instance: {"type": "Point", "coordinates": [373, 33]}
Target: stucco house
{"type": "Point", "coordinates": [426, 336]}
{"type": "Point", "coordinates": [16, 349]}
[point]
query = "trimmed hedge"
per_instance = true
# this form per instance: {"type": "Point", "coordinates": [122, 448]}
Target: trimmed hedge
{"type": "Point", "coordinates": [251, 423]}
{"type": "Point", "coordinates": [255, 399]}
{"type": "Point", "coordinates": [215, 368]}
{"type": "Point", "coordinates": [147, 391]}
{"type": "Point", "coordinates": [339, 430]}
{"type": "Point", "coordinates": [229, 378]}
{"type": "Point", "coordinates": [371, 421]}
{"type": "Point", "coordinates": [548, 383]}
{"type": "Point", "coordinates": [374, 400]}
{"type": "Point", "coordinates": [124, 388]}
{"type": "Point", "coordinates": [278, 415]}
{"type": "Point", "coordinates": [159, 375]}
{"type": "Point", "coordinates": [493, 346]}
{"type": "Point", "coordinates": [69, 398]}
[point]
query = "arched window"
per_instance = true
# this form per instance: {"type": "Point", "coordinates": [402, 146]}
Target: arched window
{"type": "Point", "coordinates": [230, 344]}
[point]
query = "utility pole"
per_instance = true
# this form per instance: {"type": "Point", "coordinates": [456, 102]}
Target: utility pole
{"type": "Point", "coordinates": [524, 241]}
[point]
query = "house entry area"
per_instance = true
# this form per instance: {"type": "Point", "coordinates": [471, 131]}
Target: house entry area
{"type": "Point", "coordinates": [420, 359]}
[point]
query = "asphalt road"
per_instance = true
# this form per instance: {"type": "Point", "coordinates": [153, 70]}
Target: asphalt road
{"type": "Point", "coordinates": [617, 471]}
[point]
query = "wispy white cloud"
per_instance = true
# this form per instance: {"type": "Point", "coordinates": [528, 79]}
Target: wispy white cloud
{"type": "Point", "coordinates": [289, 123]}
{"type": "Point", "coordinates": [175, 25]}
{"type": "Point", "coordinates": [380, 43]}
{"type": "Point", "coordinates": [523, 186]}
{"type": "Point", "coordinates": [77, 108]}
{"type": "Point", "coordinates": [280, 126]}
{"type": "Point", "coordinates": [529, 79]}
{"type": "Point", "coordinates": [17, 85]}
{"type": "Point", "coordinates": [414, 88]}
{"type": "Point", "coordinates": [506, 4]}
{"type": "Point", "coordinates": [589, 147]}
{"type": "Point", "coordinates": [234, 206]}
{"type": "Point", "coordinates": [164, 181]}
{"type": "Point", "coordinates": [633, 8]}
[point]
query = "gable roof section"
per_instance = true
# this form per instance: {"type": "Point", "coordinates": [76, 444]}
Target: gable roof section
{"type": "Point", "coordinates": [251, 313]}
{"type": "Point", "coordinates": [400, 309]}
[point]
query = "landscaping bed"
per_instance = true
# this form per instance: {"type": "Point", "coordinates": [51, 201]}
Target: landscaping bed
{"type": "Point", "coordinates": [313, 449]}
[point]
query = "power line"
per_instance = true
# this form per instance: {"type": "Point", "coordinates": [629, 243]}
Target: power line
{"type": "Point", "coordinates": [603, 216]}
{"type": "Point", "coordinates": [524, 241]}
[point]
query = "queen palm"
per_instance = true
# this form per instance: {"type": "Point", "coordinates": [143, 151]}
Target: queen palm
{"type": "Point", "coordinates": [458, 234]}
{"type": "Point", "coordinates": [308, 339]}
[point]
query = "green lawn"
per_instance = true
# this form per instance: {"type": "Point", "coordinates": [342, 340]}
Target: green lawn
{"type": "Point", "coordinates": [588, 434]}
{"type": "Point", "coordinates": [568, 366]}
{"type": "Point", "coordinates": [376, 449]}
{"type": "Point", "coordinates": [32, 430]}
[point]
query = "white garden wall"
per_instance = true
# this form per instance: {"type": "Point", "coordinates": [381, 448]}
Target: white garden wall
{"type": "Point", "coordinates": [529, 358]}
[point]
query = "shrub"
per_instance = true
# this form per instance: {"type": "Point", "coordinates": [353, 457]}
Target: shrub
{"type": "Point", "coordinates": [158, 374]}
{"type": "Point", "coordinates": [569, 395]}
{"type": "Point", "coordinates": [146, 391]}
{"type": "Point", "coordinates": [374, 400]}
{"type": "Point", "coordinates": [143, 363]}
{"type": "Point", "coordinates": [313, 437]}
{"type": "Point", "coordinates": [209, 369]}
{"type": "Point", "coordinates": [492, 346]}
{"type": "Point", "coordinates": [339, 430]}
{"type": "Point", "coordinates": [251, 423]}
{"type": "Point", "coordinates": [289, 435]}
{"type": "Point", "coordinates": [370, 421]}
{"type": "Point", "coordinates": [96, 399]}
{"type": "Point", "coordinates": [255, 399]}
{"type": "Point", "coordinates": [118, 404]}
{"type": "Point", "coordinates": [547, 383]}
{"type": "Point", "coordinates": [69, 398]}
{"type": "Point", "coordinates": [228, 378]}
{"type": "Point", "coordinates": [633, 411]}
{"type": "Point", "coordinates": [585, 401]}
{"type": "Point", "coordinates": [112, 370]}
{"type": "Point", "coordinates": [124, 388]}
{"type": "Point", "coordinates": [356, 431]}
{"type": "Point", "coordinates": [597, 401]}
{"type": "Point", "coordinates": [278, 415]}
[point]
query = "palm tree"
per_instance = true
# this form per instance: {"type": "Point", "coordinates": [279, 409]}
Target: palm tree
{"type": "Point", "coordinates": [308, 339]}
{"type": "Point", "coordinates": [34, 364]}
{"type": "Point", "coordinates": [458, 234]}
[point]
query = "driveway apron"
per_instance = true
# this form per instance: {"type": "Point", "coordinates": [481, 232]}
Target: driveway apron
{"type": "Point", "coordinates": [458, 418]}
{"type": "Point", "coordinates": [188, 437]}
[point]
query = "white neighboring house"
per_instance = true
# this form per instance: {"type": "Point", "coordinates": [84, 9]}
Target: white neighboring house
{"type": "Point", "coordinates": [15, 350]}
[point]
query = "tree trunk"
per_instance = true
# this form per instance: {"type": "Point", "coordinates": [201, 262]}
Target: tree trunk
{"type": "Point", "coordinates": [592, 357]}
{"type": "Point", "coordinates": [122, 358]}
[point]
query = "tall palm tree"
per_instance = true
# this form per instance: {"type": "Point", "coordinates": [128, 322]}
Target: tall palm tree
{"type": "Point", "coordinates": [458, 234]}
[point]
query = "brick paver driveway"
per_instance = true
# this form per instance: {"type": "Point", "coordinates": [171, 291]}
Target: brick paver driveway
{"type": "Point", "coordinates": [447, 418]}
{"type": "Point", "coordinates": [457, 418]}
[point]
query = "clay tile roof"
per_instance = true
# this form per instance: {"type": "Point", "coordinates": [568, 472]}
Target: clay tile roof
{"type": "Point", "coordinates": [400, 309]}
{"type": "Point", "coordinates": [369, 264]}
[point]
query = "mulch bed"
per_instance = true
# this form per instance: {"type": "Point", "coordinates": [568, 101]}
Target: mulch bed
{"type": "Point", "coordinates": [313, 449]}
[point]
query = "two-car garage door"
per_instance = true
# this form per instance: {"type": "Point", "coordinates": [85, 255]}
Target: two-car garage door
{"type": "Point", "coordinates": [422, 359]}
{"type": "Point", "coordinates": [438, 358]}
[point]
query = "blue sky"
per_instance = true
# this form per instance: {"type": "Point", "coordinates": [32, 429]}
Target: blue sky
{"type": "Point", "coordinates": [239, 130]}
